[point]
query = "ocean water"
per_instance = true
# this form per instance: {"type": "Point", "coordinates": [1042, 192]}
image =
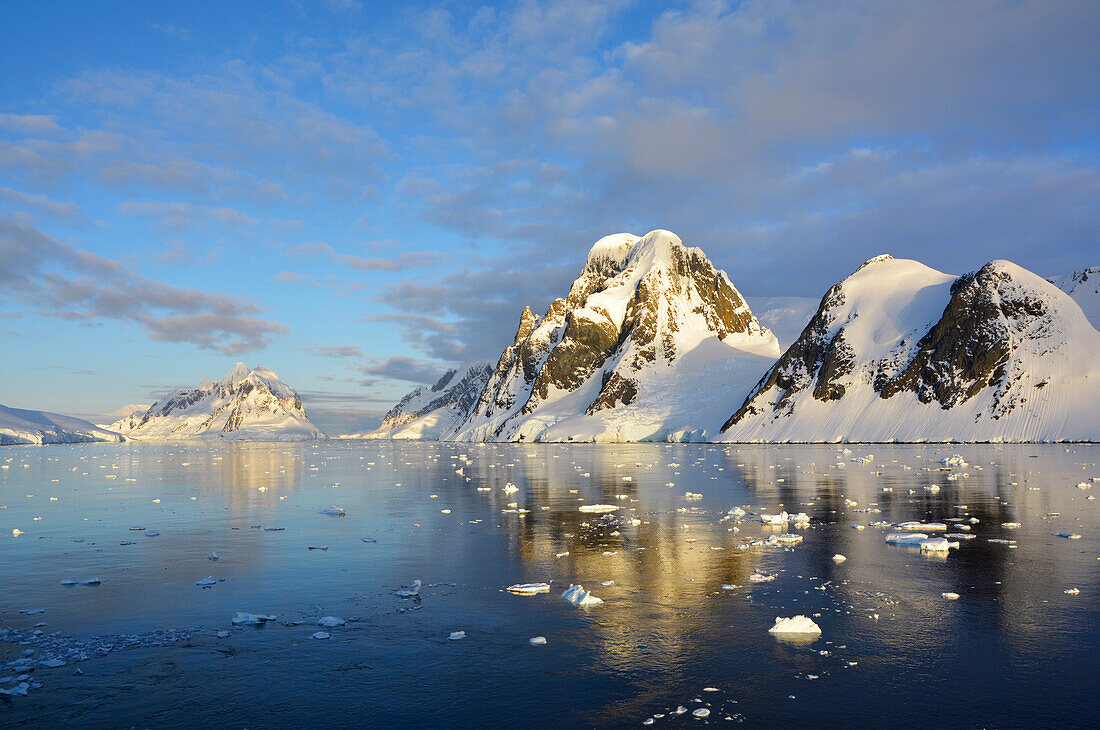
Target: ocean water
{"type": "Point", "coordinates": [683, 626]}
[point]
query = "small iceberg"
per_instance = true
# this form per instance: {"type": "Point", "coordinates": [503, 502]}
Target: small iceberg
{"type": "Point", "coordinates": [331, 622]}
{"type": "Point", "coordinates": [937, 545]}
{"type": "Point", "coordinates": [598, 508]}
{"type": "Point", "coordinates": [537, 641]}
{"type": "Point", "coordinates": [1067, 535]}
{"type": "Point", "coordinates": [67, 582]}
{"type": "Point", "coordinates": [407, 592]}
{"type": "Point", "coordinates": [838, 558]}
{"type": "Point", "coordinates": [794, 625]}
{"type": "Point", "coordinates": [788, 538]}
{"type": "Point", "coordinates": [579, 597]}
{"type": "Point", "coordinates": [950, 595]}
{"type": "Point", "coordinates": [911, 539]}
{"type": "Point", "coordinates": [206, 582]}
{"type": "Point", "coordinates": [457, 635]}
{"type": "Point", "coordinates": [923, 526]}
{"type": "Point", "coordinates": [251, 619]}
{"type": "Point", "coordinates": [762, 577]}
{"type": "Point", "coordinates": [780, 519]}
{"type": "Point", "coordinates": [213, 555]}
{"type": "Point", "coordinates": [334, 511]}
{"type": "Point", "coordinates": [320, 635]}
{"type": "Point", "coordinates": [528, 589]}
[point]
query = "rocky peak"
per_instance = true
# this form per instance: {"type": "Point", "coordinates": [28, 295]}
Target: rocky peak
{"type": "Point", "coordinates": [638, 303]}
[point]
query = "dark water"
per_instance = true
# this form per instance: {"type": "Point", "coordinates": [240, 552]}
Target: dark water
{"type": "Point", "coordinates": [1013, 651]}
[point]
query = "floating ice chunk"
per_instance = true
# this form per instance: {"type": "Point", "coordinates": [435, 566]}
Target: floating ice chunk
{"type": "Point", "coordinates": [858, 527]}
{"type": "Point", "coordinates": [213, 555]}
{"type": "Point", "coordinates": [457, 635]}
{"type": "Point", "coordinates": [729, 587]}
{"type": "Point", "coordinates": [788, 538]}
{"type": "Point", "coordinates": [537, 641]}
{"type": "Point", "coordinates": [1067, 535]}
{"type": "Point", "coordinates": [951, 596]}
{"type": "Point", "coordinates": [1084, 485]}
{"type": "Point", "coordinates": [937, 545]}
{"type": "Point", "coordinates": [923, 526]}
{"type": "Point", "coordinates": [912, 539]}
{"type": "Point", "coordinates": [1010, 525]}
{"type": "Point", "coordinates": [331, 622]}
{"type": "Point", "coordinates": [510, 488]}
{"type": "Point", "coordinates": [51, 663]}
{"type": "Point", "coordinates": [251, 619]}
{"type": "Point", "coordinates": [16, 532]}
{"type": "Point", "coordinates": [90, 582]}
{"type": "Point", "coordinates": [701, 712]}
{"type": "Point", "coordinates": [529, 589]}
{"type": "Point", "coordinates": [32, 611]}
{"type": "Point", "coordinates": [19, 689]}
{"type": "Point", "coordinates": [838, 558]}
{"type": "Point", "coordinates": [578, 596]}
{"type": "Point", "coordinates": [1072, 591]}
{"type": "Point", "coordinates": [68, 582]}
{"type": "Point", "coordinates": [737, 512]}
{"type": "Point", "coordinates": [607, 583]}
{"type": "Point", "coordinates": [598, 508]}
{"type": "Point", "coordinates": [320, 635]}
{"type": "Point", "coordinates": [206, 582]}
{"type": "Point", "coordinates": [762, 577]}
{"type": "Point", "coordinates": [680, 710]}
{"type": "Point", "coordinates": [333, 510]}
{"type": "Point", "coordinates": [711, 689]}
{"type": "Point", "coordinates": [411, 592]}
{"type": "Point", "coordinates": [954, 460]}
{"type": "Point", "coordinates": [692, 495]}
{"type": "Point", "coordinates": [222, 634]}
{"type": "Point", "coordinates": [779, 519]}
{"type": "Point", "coordinates": [794, 625]}
{"type": "Point", "coordinates": [561, 555]}
{"type": "Point", "coordinates": [800, 519]}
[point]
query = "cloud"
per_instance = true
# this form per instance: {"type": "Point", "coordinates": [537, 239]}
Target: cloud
{"type": "Point", "coordinates": [30, 123]}
{"type": "Point", "coordinates": [180, 216]}
{"type": "Point", "coordinates": [338, 351]}
{"type": "Point", "coordinates": [404, 368]}
{"type": "Point", "coordinates": [40, 202]}
{"type": "Point", "coordinates": [400, 262]}
{"type": "Point", "coordinates": [66, 282]}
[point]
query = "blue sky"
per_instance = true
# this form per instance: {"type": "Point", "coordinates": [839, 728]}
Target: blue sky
{"type": "Point", "coordinates": [356, 194]}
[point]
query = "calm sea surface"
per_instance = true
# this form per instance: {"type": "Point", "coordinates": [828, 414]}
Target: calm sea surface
{"type": "Point", "coordinates": [683, 625]}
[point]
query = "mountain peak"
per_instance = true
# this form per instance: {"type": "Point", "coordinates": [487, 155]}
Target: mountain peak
{"type": "Point", "coordinates": [239, 372]}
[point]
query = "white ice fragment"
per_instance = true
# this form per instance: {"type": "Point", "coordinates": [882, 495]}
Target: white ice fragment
{"type": "Point", "coordinates": [794, 625]}
{"type": "Point", "coordinates": [320, 635]}
{"type": "Point", "coordinates": [213, 555]}
{"type": "Point", "coordinates": [579, 597]}
{"type": "Point", "coordinates": [598, 508]}
{"type": "Point", "coordinates": [912, 539]}
{"type": "Point", "coordinates": [16, 532]}
{"type": "Point", "coordinates": [954, 461]}
{"type": "Point", "coordinates": [68, 582]}
{"type": "Point", "coordinates": [222, 634]}
{"type": "Point", "coordinates": [701, 712]}
{"type": "Point", "coordinates": [251, 619]}
{"type": "Point", "coordinates": [537, 641]}
{"type": "Point", "coordinates": [937, 545]}
{"type": "Point", "coordinates": [762, 577]}
{"type": "Point", "coordinates": [457, 635]}
{"type": "Point", "coordinates": [923, 526]}
{"type": "Point", "coordinates": [333, 510]}
{"type": "Point", "coordinates": [331, 622]}
{"type": "Point", "coordinates": [838, 558]}
{"type": "Point", "coordinates": [412, 592]}
{"type": "Point", "coordinates": [1072, 591]}
{"type": "Point", "coordinates": [206, 582]}
{"type": "Point", "coordinates": [779, 519]}
{"type": "Point", "coordinates": [951, 596]}
{"type": "Point", "coordinates": [1067, 535]}
{"type": "Point", "coordinates": [528, 589]}
{"type": "Point", "coordinates": [788, 538]}
{"type": "Point", "coordinates": [32, 611]}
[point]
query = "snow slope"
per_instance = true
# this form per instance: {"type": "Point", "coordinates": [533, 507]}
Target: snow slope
{"type": "Point", "coordinates": [1084, 286]}
{"type": "Point", "coordinates": [899, 351]}
{"type": "Point", "coordinates": [652, 343]}
{"type": "Point", "coordinates": [431, 413]}
{"type": "Point", "coordinates": [18, 426]}
{"type": "Point", "coordinates": [245, 405]}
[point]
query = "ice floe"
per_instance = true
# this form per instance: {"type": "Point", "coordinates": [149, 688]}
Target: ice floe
{"type": "Point", "coordinates": [794, 625]}
{"type": "Point", "coordinates": [251, 619]}
{"type": "Point", "coordinates": [578, 596]}
{"type": "Point", "coordinates": [528, 589]}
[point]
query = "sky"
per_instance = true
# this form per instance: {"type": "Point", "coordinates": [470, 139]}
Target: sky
{"type": "Point", "coordinates": [358, 195]}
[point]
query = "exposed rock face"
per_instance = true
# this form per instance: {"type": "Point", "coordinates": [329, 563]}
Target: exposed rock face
{"type": "Point", "coordinates": [898, 351]}
{"type": "Point", "coordinates": [642, 309]}
{"type": "Point", "coordinates": [1084, 286]}
{"type": "Point", "coordinates": [430, 413]}
{"type": "Point", "coordinates": [245, 405]}
{"type": "Point", "coordinates": [19, 426]}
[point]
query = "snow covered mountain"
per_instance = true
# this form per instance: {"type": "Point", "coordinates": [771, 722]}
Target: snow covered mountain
{"type": "Point", "coordinates": [245, 405]}
{"type": "Point", "coordinates": [431, 413]}
{"type": "Point", "coordinates": [1084, 287]}
{"type": "Point", "coordinates": [652, 343]}
{"type": "Point", "coordinates": [899, 351]}
{"type": "Point", "coordinates": [18, 426]}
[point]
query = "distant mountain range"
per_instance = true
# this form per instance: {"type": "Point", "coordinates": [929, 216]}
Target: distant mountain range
{"type": "Point", "coordinates": [245, 405]}
{"type": "Point", "coordinates": [654, 343]}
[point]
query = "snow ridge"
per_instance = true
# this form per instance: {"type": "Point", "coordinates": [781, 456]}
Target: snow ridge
{"type": "Point", "coordinates": [245, 405]}
{"type": "Point", "coordinates": [901, 352]}
{"type": "Point", "coordinates": [19, 426]}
